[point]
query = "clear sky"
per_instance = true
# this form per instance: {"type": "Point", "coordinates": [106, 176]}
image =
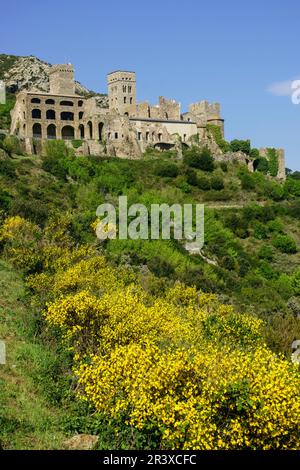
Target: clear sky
{"type": "Point", "coordinates": [242, 54]}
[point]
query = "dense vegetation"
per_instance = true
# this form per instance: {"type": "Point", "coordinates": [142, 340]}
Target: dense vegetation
{"type": "Point", "coordinates": [156, 347]}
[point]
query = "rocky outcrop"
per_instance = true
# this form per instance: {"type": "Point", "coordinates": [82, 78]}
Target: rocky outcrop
{"type": "Point", "coordinates": [31, 73]}
{"type": "Point", "coordinates": [81, 442]}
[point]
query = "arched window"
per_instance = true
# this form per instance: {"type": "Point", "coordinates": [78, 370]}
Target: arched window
{"type": "Point", "coordinates": [35, 100]}
{"type": "Point", "coordinates": [124, 99]}
{"type": "Point", "coordinates": [100, 130]}
{"type": "Point", "coordinates": [130, 100]}
{"type": "Point", "coordinates": [37, 131]}
{"type": "Point", "coordinates": [50, 101]}
{"type": "Point", "coordinates": [167, 116]}
{"type": "Point", "coordinates": [149, 112]}
{"type": "Point", "coordinates": [116, 135]}
{"type": "Point", "coordinates": [147, 136]}
{"type": "Point", "coordinates": [67, 116]}
{"type": "Point", "coordinates": [50, 114]}
{"type": "Point", "coordinates": [80, 115]}
{"type": "Point", "coordinates": [90, 126]}
{"type": "Point", "coordinates": [81, 131]}
{"type": "Point", "coordinates": [51, 131]}
{"type": "Point", "coordinates": [159, 137]}
{"type": "Point", "coordinates": [80, 103]}
{"type": "Point", "coordinates": [67, 133]}
{"type": "Point", "coordinates": [66, 103]}
{"type": "Point", "coordinates": [36, 114]}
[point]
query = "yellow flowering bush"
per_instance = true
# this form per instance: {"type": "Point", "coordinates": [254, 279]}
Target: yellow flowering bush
{"type": "Point", "coordinates": [213, 399]}
{"type": "Point", "coordinates": [180, 366]}
{"type": "Point", "coordinates": [22, 240]}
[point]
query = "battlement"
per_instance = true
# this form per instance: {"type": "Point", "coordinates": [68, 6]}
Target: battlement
{"type": "Point", "coordinates": [204, 108]}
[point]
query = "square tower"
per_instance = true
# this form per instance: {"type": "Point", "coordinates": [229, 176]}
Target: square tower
{"type": "Point", "coordinates": [121, 91]}
{"type": "Point", "coordinates": [61, 79]}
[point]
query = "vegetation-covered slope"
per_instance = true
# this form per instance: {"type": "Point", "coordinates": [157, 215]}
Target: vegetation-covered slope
{"type": "Point", "coordinates": [120, 303]}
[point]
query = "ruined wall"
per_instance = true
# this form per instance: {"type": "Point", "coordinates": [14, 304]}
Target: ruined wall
{"type": "Point", "coordinates": [281, 161]}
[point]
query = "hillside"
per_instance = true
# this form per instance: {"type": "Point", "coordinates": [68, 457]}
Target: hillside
{"type": "Point", "coordinates": [30, 72]}
{"type": "Point", "coordinates": [99, 317]}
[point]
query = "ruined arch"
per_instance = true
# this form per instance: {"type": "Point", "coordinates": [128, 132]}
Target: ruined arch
{"type": "Point", "coordinates": [100, 130]}
{"type": "Point", "coordinates": [67, 132]}
{"type": "Point", "coordinates": [50, 114]}
{"type": "Point", "coordinates": [81, 131]}
{"type": "Point", "coordinates": [36, 114]}
{"type": "Point", "coordinates": [51, 131]}
{"type": "Point", "coordinates": [37, 131]}
{"type": "Point", "coordinates": [90, 128]}
{"type": "Point", "coordinates": [164, 146]}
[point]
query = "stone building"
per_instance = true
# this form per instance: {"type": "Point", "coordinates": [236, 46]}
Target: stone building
{"type": "Point", "coordinates": [125, 128]}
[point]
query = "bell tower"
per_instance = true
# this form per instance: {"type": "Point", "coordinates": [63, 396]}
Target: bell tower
{"type": "Point", "coordinates": [121, 91]}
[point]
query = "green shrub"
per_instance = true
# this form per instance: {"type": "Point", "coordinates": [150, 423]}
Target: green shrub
{"type": "Point", "coordinates": [224, 167]}
{"type": "Point", "coordinates": [254, 153]}
{"type": "Point", "coordinates": [7, 168]}
{"type": "Point", "coordinates": [240, 146]}
{"type": "Point", "coordinates": [217, 183]}
{"type": "Point", "coordinates": [5, 109]}
{"type": "Point", "coordinates": [247, 180]}
{"type": "Point", "coordinates": [5, 201]}
{"type": "Point", "coordinates": [273, 190]}
{"type": "Point", "coordinates": [191, 177]}
{"type": "Point", "coordinates": [262, 165]}
{"type": "Point", "coordinates": [166, 169]}
{"type": "Point", "coordinates": [203, 183]}
{"type": "Point", "coordinates": [266, 252]}
{"type": "Point", "coordinates": [275, 226]}
{"type": "Point", "coordinates": [285, 244]}
{"type": "Point", "coordinates": [77, 143]}
{"type": "Point", "coordinates": [12, 145]}
{"type": "Point", "coordinates": [55, 166]}
{"type": "Point", "coordinates": [260, 231]}
{"type": "Point", "coordinates": [199, 158]}
{"type": "Point", "coordinates": [56, 149]}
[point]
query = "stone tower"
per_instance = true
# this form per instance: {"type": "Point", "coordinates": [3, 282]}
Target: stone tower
{"type": "Point", "coordinates": [121, 91]}
{"type": "Point", "coordinates": [62, 79]}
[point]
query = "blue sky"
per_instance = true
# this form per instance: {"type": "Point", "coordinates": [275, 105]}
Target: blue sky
{"type": "Point", "coordinates": [242, 54]}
